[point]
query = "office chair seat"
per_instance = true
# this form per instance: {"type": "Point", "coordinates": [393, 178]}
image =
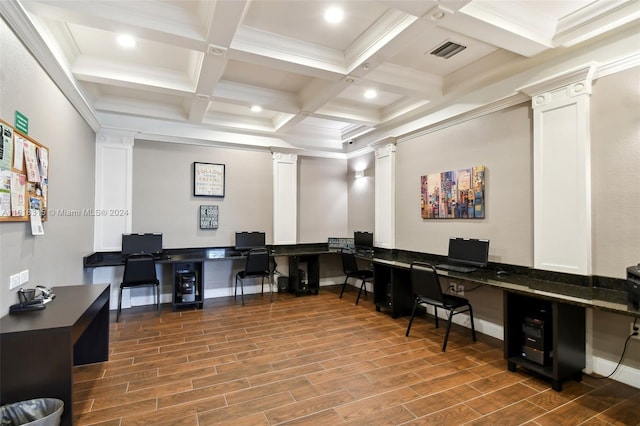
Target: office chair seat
{"type": "Point", "coordinates": [425, 284]}
{"type": "Point", "coordinates": [257, 266]}
{"type": "Point", "coordinates": [139, 271]}
{"type": "Point", "coordinates": [351, 270]}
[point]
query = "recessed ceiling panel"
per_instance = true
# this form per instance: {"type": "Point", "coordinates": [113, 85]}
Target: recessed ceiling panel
{"type": "Point", "coordinates": [418, 57]}
{"type": "Point", "coordinates": [304, 20]}
{"type": "Point", "coordinates": [239, 110]}
{"type": "Point", "coordinates": [326, 124]}
{"type": "Point", "coordinates": [103, 44]}
{"type": "Point", "coordinates": [356, 94]}
{"type": "Point", "coordinates": [256, 75]}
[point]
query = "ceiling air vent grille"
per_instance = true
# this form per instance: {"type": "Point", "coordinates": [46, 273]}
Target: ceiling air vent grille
{"type": "Point", "coordinates": [448, 49]}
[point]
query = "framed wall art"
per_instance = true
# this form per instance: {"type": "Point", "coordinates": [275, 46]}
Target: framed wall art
{"type": "Point", "coordinates": [208, 217]}
{"type": "Point", "coordinates": [455, 194]}
{"type": "Point", "coordinates": [208, 180]}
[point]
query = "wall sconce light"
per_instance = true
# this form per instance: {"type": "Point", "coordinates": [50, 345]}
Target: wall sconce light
{"type": "Point", "coordinates": [359, 174]}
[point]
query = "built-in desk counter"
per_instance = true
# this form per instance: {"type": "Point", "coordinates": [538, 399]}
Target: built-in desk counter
{"type": "Point", "coordinates": [529, 296]}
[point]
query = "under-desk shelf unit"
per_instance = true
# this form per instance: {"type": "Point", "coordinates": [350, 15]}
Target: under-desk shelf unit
{"type": "Point", "coordinates": [392, 289]}
{"type": "Point", "coordinates": [184, 272]}
{"type": "Point", "coordinates": [309, 280]}
{"type": "Point", "coordinates": [566, 357]}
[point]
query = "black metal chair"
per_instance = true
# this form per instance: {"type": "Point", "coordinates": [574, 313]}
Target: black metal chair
{"type": "Point", "coordinates": [257, 265]}
{"type": "Point", "coordinates": [425, 285]}
{"type": "Point", "coordinates": [139, 271]}
{"type": "Point", "coordinates": [351, 270]}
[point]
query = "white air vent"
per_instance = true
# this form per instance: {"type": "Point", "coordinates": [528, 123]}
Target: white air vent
{"type": "Point", "coordinates": [448, 49]}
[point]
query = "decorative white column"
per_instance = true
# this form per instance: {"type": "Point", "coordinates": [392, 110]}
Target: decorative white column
{"type": "Point", "coordinates": [562, 171]}
{"type": "Point", "coordinates": [285, 198]}
{"type": "Point", "coordinates": [385, 194]}
{"type": "Point", "coordinates": [113, 190]}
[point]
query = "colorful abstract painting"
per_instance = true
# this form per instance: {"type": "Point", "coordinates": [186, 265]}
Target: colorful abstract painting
{"type": "Point", "coordinates": [455, 194]}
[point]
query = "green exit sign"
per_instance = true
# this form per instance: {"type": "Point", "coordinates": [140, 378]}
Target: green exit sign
{"type": "Point", "coordinates": [22, 122]}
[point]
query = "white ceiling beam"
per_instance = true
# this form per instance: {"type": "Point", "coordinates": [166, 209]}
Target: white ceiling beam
{"type": "Point", "coordinates": [102, 71]}
{"type": "Point", "coordinates": [474, 22]}
{"type": "Point", "coordinates": [595, 19]}
{"type": "Point", "coordinates": [223, 23]}
{"type": "Point", "coordinates": [406, 81]}
{"type": "Point", "coordinates": [391, 24]}
{"type": "Point", "coordinates": [287, 50]}
{"type": "Point", "coordinates": [269, 99]}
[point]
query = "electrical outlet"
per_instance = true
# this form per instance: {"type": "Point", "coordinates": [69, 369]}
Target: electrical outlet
{"type": "Point", "coordinates": [635, 330]}
{"type": "Point", "coordinates": [24, 276]}
{"type": "Point", "coordinates": [14, 281]}
{"type": "Point", "coordinates": [461, 289]}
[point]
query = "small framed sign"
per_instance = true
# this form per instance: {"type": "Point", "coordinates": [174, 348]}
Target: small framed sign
{"type": "Point", "coordinates": [208, 180]}
{"type": "Point", "coordinates": [208, 217]}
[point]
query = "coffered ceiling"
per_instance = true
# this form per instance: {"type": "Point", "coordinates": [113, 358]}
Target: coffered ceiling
{"type": "Point", "coordinates": [198, 66]}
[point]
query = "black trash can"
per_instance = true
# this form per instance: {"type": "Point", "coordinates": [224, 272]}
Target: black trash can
{"type": "Point", "coordinates": [34, 412]}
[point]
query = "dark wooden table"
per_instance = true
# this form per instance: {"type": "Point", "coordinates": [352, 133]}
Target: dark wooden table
{"type": "Point", "coordinates": [38, 349]}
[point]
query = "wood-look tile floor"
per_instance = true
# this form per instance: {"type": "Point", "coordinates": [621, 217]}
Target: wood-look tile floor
{"type": "Point", "coordinates": [321, 360]}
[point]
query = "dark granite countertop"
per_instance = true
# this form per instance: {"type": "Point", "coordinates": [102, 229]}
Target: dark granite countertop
{"type": "Point", "coordinates": [590, 291]}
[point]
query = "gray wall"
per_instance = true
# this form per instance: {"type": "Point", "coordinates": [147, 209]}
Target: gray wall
{"type": "Point", "coordinates": [361, 194]}
{"type": "Point", "coordinates": [322, 199]}
{"type": "Point", "coordinates": [163, 199]}
{"type": "Point", "coordinates": [53, 259]}
{"type": "Point", "coordinates": [502, 142]}
{"type": "Point", "coordinates": [615, 171]}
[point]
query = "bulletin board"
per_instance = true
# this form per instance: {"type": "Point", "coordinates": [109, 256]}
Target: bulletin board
{"type": "Point", "coordinates": [24, 176]}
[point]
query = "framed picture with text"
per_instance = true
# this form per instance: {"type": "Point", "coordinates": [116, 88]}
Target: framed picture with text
{"type": "Point", "coordinates": [208, 180]}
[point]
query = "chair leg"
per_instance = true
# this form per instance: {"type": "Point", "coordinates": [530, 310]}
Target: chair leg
{"type": "Point", "coordinates": [242, 291]}
{"type": "Point", "coordinates": [360, 291]}
{"type": "Point", "coordinates": [446, 335]}
{"type": "Point", "coordinates": [344, 285]}
{"type": "Point", "coordinates": [119, 305]}
{"type": "Point", "coordinates": [156, 298]}
{"type": "Point", "coordinates": [435, 313]}
{"type": "Point", "coordinates": [262, 290]}
{"type": "Point", "coordinates": [413, 314]}
{"type": "Point", "coordinates": [473, 329]}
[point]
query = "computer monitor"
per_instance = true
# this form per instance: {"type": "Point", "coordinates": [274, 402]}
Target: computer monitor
{"type": "Point", "coordinates": [468, 251]}
{"type": "Point", "coordinates": [141, 243]}
{"type": "Point", "coordinates": [363, 240]}
{"type": "Point", "coordinates": [246, 241]}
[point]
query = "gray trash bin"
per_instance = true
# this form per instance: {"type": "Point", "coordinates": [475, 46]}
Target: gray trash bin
{"type": "Point", "coordinates": [34, 412]}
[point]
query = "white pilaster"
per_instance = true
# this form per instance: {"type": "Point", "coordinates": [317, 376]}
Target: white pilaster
{"type": "Point", "coordinates": [385, 195]}
{"type": "Point", "coordinates": [285, 198]}
{"type": "Point", "coordinates": [113, 190]}
{"type": "Point", "coordinates": [562, 171]}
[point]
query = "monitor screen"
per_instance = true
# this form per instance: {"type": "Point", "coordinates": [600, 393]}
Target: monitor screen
{"type": "Point", "coordinates": [363, 240]}
{"type": "Point", "coordinates": [468, 251]}
{"type": "Point", "coordinates": [248, 240]}
{"type": "Point", "coordinates": [141, 243]}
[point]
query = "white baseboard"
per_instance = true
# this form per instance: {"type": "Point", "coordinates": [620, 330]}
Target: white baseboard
{"type": "Point", "coordinates": [624, 374]}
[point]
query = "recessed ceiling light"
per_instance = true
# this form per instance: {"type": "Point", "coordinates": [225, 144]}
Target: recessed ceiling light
{"type": "Point", "coordinates": [125, 40]}
{"type": "Point", "coordinates": [370, 94]}
{"type": "Point", "coordinates": [334, 15]}
{"type": "Point", "coordinates": [256, 108]}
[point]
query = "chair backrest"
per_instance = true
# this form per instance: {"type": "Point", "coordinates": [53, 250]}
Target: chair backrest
{"type": "Point", "coordinates": [425, 282]}
{"type": "Point", "coordinates": [257, 262]}
{"type": "Point", "coordinates": [349, 263]}
{"type": "Point", "coordinates": [139, 269]}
